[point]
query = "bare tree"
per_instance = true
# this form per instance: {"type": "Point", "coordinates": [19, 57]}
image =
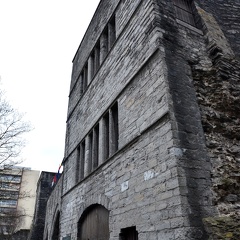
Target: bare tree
{"type": "Point", "coordinates": [12, 128]}
{"type": "Point", "coordinates": [10, 223]}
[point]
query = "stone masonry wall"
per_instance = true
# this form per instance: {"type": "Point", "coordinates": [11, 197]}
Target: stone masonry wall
{"type": "Point", "coordinates": [159, 180]}
{"type": "Point", "coordinates": [107, 85]}
{"type": "Point", "coordinates": [43, 191]}
{"type": "Point", "coordinates": [139, 184]}
{"type": "Point", "coordinates": [53, 208]}
{"type": "Point", "coordinates": [127, 185]}
{"type": "Point", "coordinates": [218, 91]}
{"type": "Point", "coordinates": [227, 14]}
{"type": "Point", "coordinates": [184, 44]}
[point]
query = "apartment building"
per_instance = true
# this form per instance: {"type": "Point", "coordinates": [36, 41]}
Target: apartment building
{"type": "Point", "coordinates": [17, 200]}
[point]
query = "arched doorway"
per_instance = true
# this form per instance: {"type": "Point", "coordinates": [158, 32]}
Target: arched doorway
{"type": "Point", "coordinates": [56, 230]}
{"type": "Point", "coordinates": [94, 224]}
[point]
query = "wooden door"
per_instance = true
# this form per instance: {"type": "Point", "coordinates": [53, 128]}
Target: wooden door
{"type": "Point", "coordinates": [94, 225]}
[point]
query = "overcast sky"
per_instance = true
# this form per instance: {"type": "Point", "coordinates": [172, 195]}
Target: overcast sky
{"type": "Point", "coordinates": [38, 40]}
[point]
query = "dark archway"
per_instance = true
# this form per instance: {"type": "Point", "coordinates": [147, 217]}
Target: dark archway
{"type": "Point", "coordinates": [94, 224]}
{"type": "Point", "coordinates": [56, 230]}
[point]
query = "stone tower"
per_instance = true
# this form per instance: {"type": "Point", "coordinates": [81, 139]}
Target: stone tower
{"type": "Point", "coordinates": [152, 123]}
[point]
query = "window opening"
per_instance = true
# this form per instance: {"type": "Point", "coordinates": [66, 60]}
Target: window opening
{"type": "Point", "coordinates": [81, 83]}
{"type": "Point", "coordinates": [10, 178]}
{"type": "Point", "coordinates": [95, 146]}
{"type": "Point", "coordinates": [77, 165]}
{"type": "Point", "coordinates": [111, 32]}
{"type": "Point", "coordinates": [106, 136]}
{"type": "Point", "coordinates": [8, 203]}
{"type": "Point", "coordinates": [98, 54]}
{"type": "Point", "coordinates": [101, 143]}
{"type": "Point", "coordinates": [90, 152]}
{"type": "Point", "coordinates": [9, 194]}
{"type": "Point", "coordinates": [97, 57]}
{"type": "Point", "coordinates": [128, 234]}
{"type": "Point", "coordinates": [90, 67]}
{"type": "Point", "coordinates": [82, 159]}
{"type": "Point", "coordinates": [114, 128]}
{"type": "Point", "coordinates": [184, 11]}
{"type": "Point", "coordinates": [103, 45]}
{"type": "Point", "coordinates": [85, 77]}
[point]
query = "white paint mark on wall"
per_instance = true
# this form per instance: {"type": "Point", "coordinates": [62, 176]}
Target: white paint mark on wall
{"type": "Point", "coordinates": [148, 175]}
{"type": "Point", "coordinates": [124, 186]}
{"type": "Point", "coordinates": [178, 152]}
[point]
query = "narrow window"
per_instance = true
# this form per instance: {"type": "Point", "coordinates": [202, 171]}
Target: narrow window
{"type": "Point", "coordinates": [184, 11]}
{"type": "Point", "coordinates": [90, 67]}
{"type": "Point", "coordinates": [128, 234]}
{"type": "Point", "coordinates": [77, 165]}
{"type": "Point", "coordinates": [82, 159]}
{"type": "Point", "coordinates": [114, 128]}
{"type": "Point", "coordinates": [81, 83]}
{"type": "Point", "coordinates": [95, 146]}
{"type": "Point", "coordinates": [103, 45]}
{"type": "Point", "coordinates": [85, 77]}
{"type": "Point", "coordinates": [111, 32]}
{"type": "Point", "coordinates": [106, 136]}
{"type": "Point", "coordinates": [96, 57]}
{"type": "Point", "coordinates": [90, 158]}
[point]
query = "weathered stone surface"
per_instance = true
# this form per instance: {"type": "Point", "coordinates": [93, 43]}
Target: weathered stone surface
{"type": "Point", "coordinates": [223, 228]}
{"type": "Point", "coordinates": [44, 189]}
{"type": "Point", "coordinates": [177, 93]}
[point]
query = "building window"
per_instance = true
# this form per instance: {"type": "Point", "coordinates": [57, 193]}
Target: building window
{"type": "Point", "coordinates": [111, 32]}
{"type": "Point", "coordinates": [100, 144]}
{"type": "Point", "coordinates": [114, 128]}
{"type": "Point", "coordinates": [98, 54]}
{"type": "Point", "coordinates": [9, 186]}
{"type": "Point", "coordinates": [78, 165]}
{"type": "Point", "coordinates": [128, 234]}
{"type": "Point", "coordinates": [103, 45]}
{"type": "Point", "coordinates": [97, 57]}
{"type": "Point", "coordinates": [81, 83]}
{"type": "Point", "coordinates": [82, 159]}
{"type": "Point", "coordinates": [8, 203]}
{"type": "Point", "coordinates": [106, 136]}
{"type": "Point", "coordinates": [85, 77]}
{"type": "Point", "coordinates": [95, 146]}
{"type": "Point", "coordinates": [90, 152]}
{"type": "Point", "coordinates": [90, 67]}
{"type": "Point", "coordinates": [8, 194]}
{"type": "Point", "coordinates": [184, 11]}
{"type": "Point", "coordinates": [10, 178]}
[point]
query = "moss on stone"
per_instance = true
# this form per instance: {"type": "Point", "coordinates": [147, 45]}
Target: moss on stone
{"type": "Point", "coordinates": [227, 228]}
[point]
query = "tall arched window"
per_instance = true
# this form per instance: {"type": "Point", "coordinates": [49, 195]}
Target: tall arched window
{"type": "Point", "coordinates": [184, 11]}
{"type": "Point", "coordinates": [94, 224]}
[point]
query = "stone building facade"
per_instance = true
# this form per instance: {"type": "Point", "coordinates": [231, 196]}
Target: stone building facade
{"type": "Point", "coordinates": [44, 189]}
{"type": "Point", "coordinates": [152, 123]}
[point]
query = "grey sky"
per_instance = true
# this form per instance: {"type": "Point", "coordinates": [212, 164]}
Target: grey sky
{"type": "Point", "coordinates": [38, 40]}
